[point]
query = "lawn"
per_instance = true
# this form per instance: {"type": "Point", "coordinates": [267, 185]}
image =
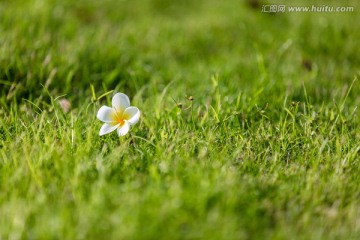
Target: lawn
{"type": "Point", "coordinates": [249, 123]}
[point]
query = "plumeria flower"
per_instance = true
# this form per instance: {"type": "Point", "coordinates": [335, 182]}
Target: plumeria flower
{"type": "Point", "coordinates": [118, 117]}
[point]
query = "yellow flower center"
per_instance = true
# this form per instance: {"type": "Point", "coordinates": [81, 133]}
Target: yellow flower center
{"type": "Point", "coordinates": [120, 120]}
{"type": "Point", "coordinates": [119, 117]}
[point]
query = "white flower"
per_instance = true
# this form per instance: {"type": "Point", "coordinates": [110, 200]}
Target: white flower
{"type": "Point", "coordinates": [121, 116]}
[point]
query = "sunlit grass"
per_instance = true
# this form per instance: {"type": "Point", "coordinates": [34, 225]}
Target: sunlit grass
{"type": "Point", "coordinates": [249, 126]}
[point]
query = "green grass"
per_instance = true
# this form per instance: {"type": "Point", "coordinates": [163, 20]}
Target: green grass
{"type": "Point", "coordinates": [268, 149]}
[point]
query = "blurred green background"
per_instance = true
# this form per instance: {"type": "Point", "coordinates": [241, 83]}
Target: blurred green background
{"type": "Point", "coordinates": [66, 45]}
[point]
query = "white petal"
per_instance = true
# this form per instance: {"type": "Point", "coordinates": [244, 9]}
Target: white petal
{"type": "Point", "coordinates": [108, 128]}
{"type": "Point", "coordinates": [120, 102]}
{"type": "Point", "coordinates": [106, 114]}
{"type": "Point", "coordinates": [132, 115]}
{"type": "Point", "coordinates": [124, 129]}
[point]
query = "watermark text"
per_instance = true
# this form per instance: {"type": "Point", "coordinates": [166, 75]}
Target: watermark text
{"type": "Point", "coordinates": [323, 8]}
